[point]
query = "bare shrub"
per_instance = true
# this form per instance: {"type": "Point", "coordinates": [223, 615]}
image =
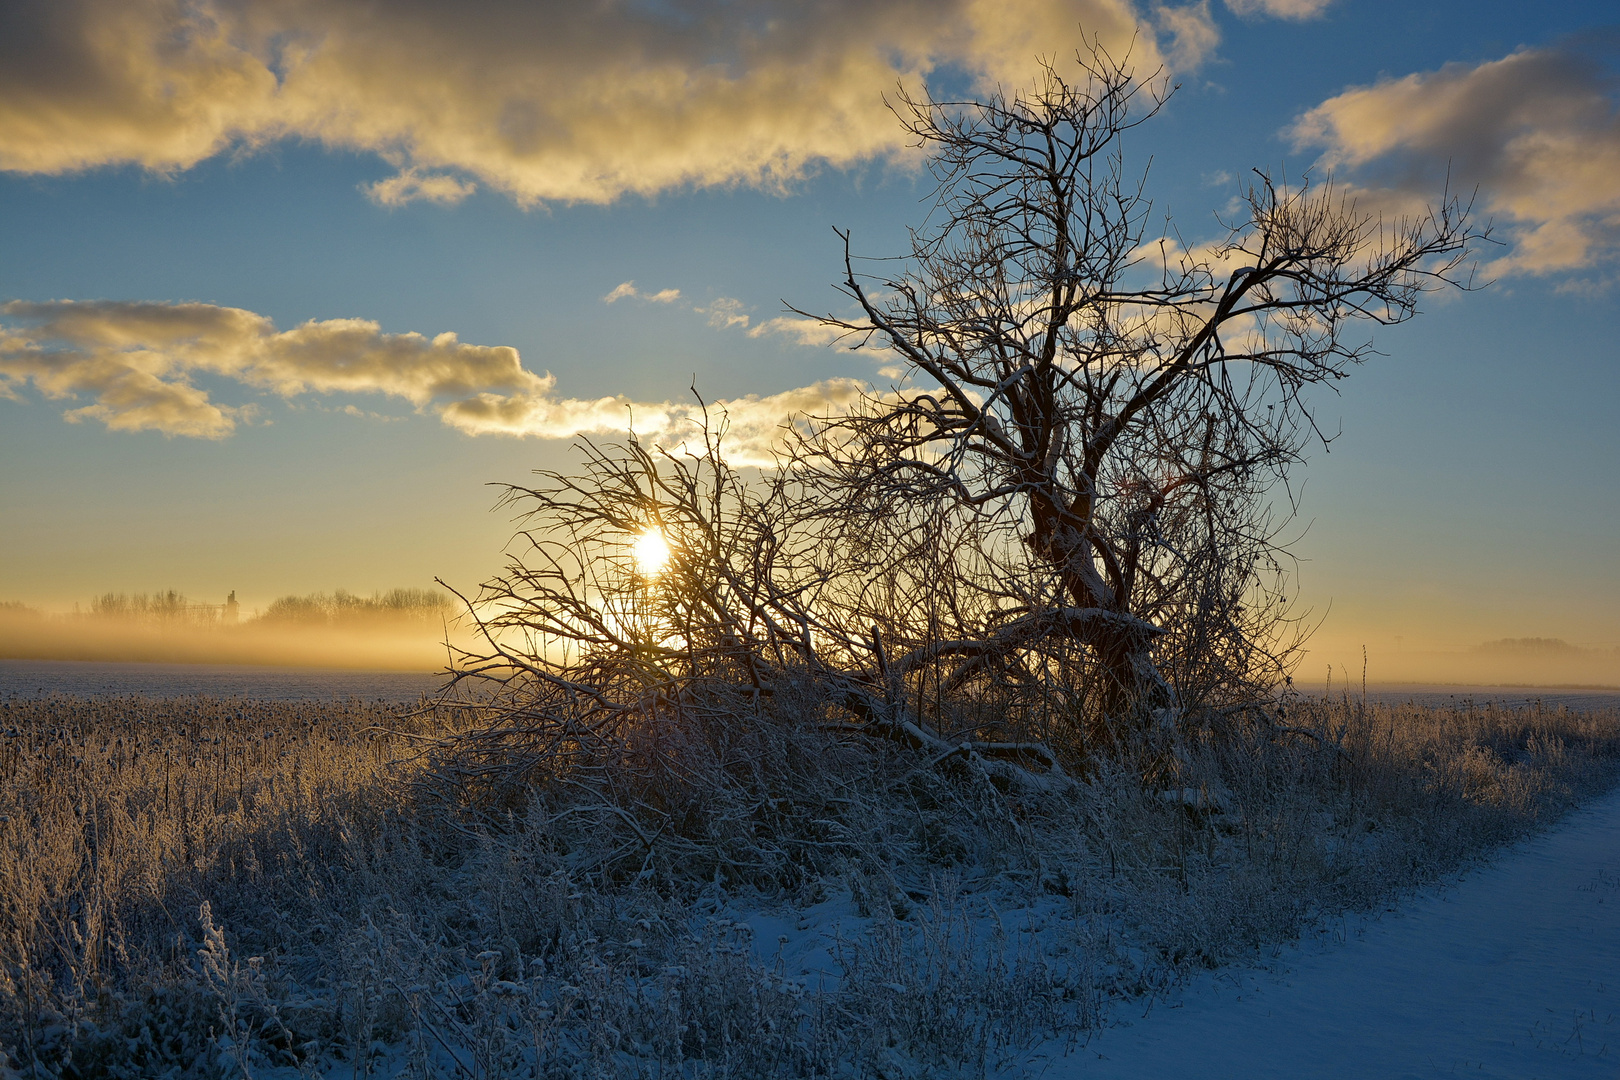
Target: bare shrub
{"type": "Point", "coordinates": [1052, 547]}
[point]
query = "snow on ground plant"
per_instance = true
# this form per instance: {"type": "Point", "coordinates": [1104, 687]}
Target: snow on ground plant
{"type": "Point", "coordinates": [200, 888]}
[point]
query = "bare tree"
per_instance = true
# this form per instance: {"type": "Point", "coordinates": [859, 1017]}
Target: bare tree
{"type": "Point", "coordinates": [1113, 415]}
{"type": "Point", "coordinates": [769, 610]}
{"type": "Point", "coordinates": [1053, 538]}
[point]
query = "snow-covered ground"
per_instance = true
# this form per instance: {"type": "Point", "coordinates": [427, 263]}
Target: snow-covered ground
{"type": "Point", "coordinates": [95, 678]}
{"type": "Point", "coordinates": [1450, 695]}
{"type": "Point", "coordinates": [1511, 971]}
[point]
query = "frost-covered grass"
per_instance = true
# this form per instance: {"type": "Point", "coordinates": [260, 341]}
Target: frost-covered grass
{"type": "Point", "coordinates": [197, 888]}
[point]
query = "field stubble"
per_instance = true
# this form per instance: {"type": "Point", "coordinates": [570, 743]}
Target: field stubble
{"type": "Point", "coordinates": [197, 887]}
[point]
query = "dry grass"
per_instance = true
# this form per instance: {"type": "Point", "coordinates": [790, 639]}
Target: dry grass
{"type": "Point", "coordinates": [201, 888]}
{"type": "Point", "coordinates": [119, 818]}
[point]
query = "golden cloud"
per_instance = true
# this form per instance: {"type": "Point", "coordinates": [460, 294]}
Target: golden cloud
{"type": "Point", "coordinates": [1538, 131]}
{"type": "Point", "coordinates": [754, 425]}
{"type": "Point", "coordinates": [1279, 9]}
{"type": "Point", "coordinates": [138, 361]}
{"type": "Point", "coordinates": [729, 313]}
{"type": "Point", "coordinates": [544, 101]}
{"type": "Point", "coordinates": [413, 185]}
{"type": "Point", "coordinates": [797, 329]}
{"type": "Point", "coordinates": [626, 290]}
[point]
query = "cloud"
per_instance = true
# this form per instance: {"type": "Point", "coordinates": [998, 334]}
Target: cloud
{"type": "Point", "coordinates": [729, 313]}
{"type": "Point", "coordinates": [543, 100]}
{"type": "Point", "coordinates": [413, 185]}
{"type": "Point", "coordinates": [725, 313]}
{"type": "Point", "coordinates": [800, 330]}
{"type": "Point", "coordinates": [1538, 131]}
{"type": "Point", "coordinates": [365, 414]}
{"type": "Point", "coordinates": [1279, 9]}
{"type": "Point", "coordinates": [140, 363]}
{"type": "Point", "coordinates": [754, 424]}
{"type": "Point", "coordinates": [627, 290]}
{"type": "Point", "coordinates": [1192, 34]}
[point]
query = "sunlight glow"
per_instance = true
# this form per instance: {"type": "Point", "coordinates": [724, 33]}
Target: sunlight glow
{"type": "Point", "coordinates": [651, 552]}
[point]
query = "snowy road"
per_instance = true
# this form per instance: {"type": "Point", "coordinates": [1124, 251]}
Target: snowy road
{"type": "Point", "coordinates": [1513, 971]}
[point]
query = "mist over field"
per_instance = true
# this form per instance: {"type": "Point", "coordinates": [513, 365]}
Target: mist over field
{"type": "Point", "coordinates": [402, 630]}
{"type": "Point", "coordinates": [406, 630]}
{"type": "Point", "coordinates": [1527, 661]}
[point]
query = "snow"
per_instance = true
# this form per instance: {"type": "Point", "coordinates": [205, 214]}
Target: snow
{"type": "Point", "coordinates": [95, 678]}
{"type": "Point", "coordinates": [1511, 971]}
{"type": "Point", "coordinates": [1451, 695]}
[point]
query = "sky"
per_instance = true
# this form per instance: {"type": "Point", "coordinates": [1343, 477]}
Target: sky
{"type": "Point", "coordinates": [286, 286]}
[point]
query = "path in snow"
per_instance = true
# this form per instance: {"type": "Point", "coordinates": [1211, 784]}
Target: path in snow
{"type": "Point", "coordinates": [1512, 971]}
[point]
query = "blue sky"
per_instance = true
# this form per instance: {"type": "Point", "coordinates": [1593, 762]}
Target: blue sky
{"type": "Point", "coordinates": [1472, 493]}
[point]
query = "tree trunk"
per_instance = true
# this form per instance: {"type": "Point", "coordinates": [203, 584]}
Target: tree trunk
{"type": "Point", "coordinates": [1133, 690]}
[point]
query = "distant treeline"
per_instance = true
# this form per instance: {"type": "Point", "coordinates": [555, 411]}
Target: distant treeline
{"type": "Point", "coordinates": [346, 607]}
{"type": "Point", "coordinates": [174, 610]}
{"type": "Point", "coordinates": [169, 609]}
{"type": "Point", "coordinates": [1536, 646]}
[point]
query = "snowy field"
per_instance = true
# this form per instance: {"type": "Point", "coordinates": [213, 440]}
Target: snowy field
{"type": "Point", "coordinates": [1451, 694]}
{"type": "Point", "coordinates": [91, 678]}
{"type": "Point", "coordinates": [1513, 971]}
{"type": "Point", "coordinates": [939, 939]}
{"type": "Point", "coordinates": [30, 678]}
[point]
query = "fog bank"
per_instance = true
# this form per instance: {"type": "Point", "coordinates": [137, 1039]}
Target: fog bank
{"type": "Point", "coordinates": [1506, 662]}
{"type": "Point", "coordinates": [338, 631]}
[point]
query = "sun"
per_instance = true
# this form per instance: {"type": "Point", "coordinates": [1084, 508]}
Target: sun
{"type": "Point", "coordinates": [651, 552]}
